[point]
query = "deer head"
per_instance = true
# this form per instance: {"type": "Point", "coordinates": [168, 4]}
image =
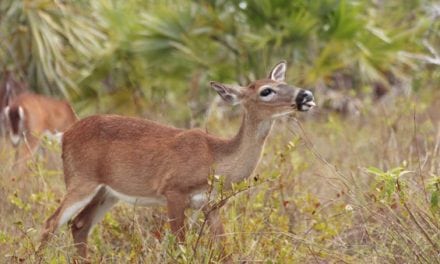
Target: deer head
{"type": "Point", "coordinates": [268, 98]}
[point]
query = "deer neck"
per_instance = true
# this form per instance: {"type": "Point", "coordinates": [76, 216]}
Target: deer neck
{"type": "Point", "coordinates": [238, 156]}
{"type": "Point", "coordinates": [252, 134]}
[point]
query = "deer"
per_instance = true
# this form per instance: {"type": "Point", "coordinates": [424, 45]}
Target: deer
{"type": "Point", "coordinates": [108, 158]}
{"type": "Point", "coordinates": [30, 116]}
{"type": "Point", "coordinates": [9, 89]}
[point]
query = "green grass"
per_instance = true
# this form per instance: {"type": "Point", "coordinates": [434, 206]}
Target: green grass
{"type": "Point", "coordinates": [330, 189]}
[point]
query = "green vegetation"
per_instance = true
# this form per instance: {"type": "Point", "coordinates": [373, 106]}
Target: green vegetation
{"type": "Point", "coordinates": [356, 188]}
{"type": "Point", "coordinates": [144, 57]}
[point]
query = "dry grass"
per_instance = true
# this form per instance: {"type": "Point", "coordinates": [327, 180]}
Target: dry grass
{"type": "Point", "coordinates": [329, 189]}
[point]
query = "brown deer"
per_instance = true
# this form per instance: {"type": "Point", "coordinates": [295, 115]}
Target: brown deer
{"type": "Point", "coordinates": [9, 89]}
{"type": "Point", "coordinates": [30, 115]}
{"type": "Point", "coordinates": [108, 158]}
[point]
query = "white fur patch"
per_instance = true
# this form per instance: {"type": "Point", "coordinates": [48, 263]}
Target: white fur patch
{"type": "Point", "coordinates": [76, 207]}
{"type": "Point", "coordinates": [103, 209]}
{"type": "Point", "coordinates": [305, 107]}
{"type": "Point", "coordinates": [21, 113]}
{"type": "Point", "coordinates": [268, 97]}
{"type": "Point", "coordinates": [15, 139]}
{"type": "Point", "coordinates": [144, 201]}
{"type": "Point", "coordinates": [6, 111]}
{"type": "Point", "coordinates": [199, 199]}
{"type": "Point", "coordinates": [57, 136]}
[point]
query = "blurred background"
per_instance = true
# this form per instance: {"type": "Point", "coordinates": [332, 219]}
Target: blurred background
{"type": "Point", "coordinates": [356, 180]}
{"type": "Point", "coordinates": [143, 57]}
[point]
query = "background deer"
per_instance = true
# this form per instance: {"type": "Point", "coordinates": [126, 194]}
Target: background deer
{"type": "Point", "coordinates": [10, 87]}
{"type": "Point", "coordinates": [108, 158]}
{"type": "Point", "coordinates": [29, 116]}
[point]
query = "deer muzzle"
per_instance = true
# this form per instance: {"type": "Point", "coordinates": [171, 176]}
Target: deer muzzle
{"type": "Point", "coordinates": [304, 100]}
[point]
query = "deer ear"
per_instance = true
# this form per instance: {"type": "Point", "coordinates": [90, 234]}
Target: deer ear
{"type": "Point", "coordinates": [278, 73]}
{"type": "Point", "coordinates": [227, 93]}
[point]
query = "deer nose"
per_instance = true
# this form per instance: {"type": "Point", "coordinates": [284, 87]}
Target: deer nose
{"type": "Point", "coordinates": [304, 100]}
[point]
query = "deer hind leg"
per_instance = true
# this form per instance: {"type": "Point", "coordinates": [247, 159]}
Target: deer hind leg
{"type": "Point", "coordinates": [30, 144]}
{"type": "Point", "coordinates": [93, 213]}
{"type": "Point", "coordinates": [26, 149]}
{"type": "Point", "coordinates": [74, 201]}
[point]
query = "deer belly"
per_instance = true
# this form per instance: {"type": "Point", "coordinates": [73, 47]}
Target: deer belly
{"type": "Point", "coordinates": [137, 200]}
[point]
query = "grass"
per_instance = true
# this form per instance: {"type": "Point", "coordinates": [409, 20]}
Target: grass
{"type": "Point", "coordinates": [329, 189]}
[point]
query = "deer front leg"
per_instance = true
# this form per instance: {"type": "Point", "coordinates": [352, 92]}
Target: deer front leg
{"type": "Point", "coordinates": [215, 224]}
{"type": "Point", "coordinates": [177, 203]}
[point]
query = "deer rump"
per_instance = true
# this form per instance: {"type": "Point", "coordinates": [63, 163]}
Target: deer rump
{"type": "Point", "coordinates": [30, 116]}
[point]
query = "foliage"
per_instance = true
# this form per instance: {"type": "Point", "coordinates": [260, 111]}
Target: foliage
{"type": "Point", "coordinates": [48, 41]}
{"type": "Point", "coordinates": [142, 57]}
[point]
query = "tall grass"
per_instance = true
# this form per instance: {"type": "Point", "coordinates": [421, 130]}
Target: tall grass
{"type": "Point", "coordinates": [361, 189]}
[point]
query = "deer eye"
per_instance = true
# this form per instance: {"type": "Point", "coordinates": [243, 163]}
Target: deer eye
{"type": "Point", "coordinates": [266, 92]}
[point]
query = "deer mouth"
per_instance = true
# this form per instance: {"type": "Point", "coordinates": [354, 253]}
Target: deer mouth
{"type": "Point", "coordinates": [306, 106]}
{"type": "Point", "coordinates": [304, 101]}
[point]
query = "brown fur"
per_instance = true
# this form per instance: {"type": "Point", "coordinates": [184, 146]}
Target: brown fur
{"type": "Point", "coordinates": [141, 158]}
{"type": "Point", "coordinates": [41, 113]}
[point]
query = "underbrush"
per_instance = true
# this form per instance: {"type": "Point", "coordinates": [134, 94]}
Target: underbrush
{"type": "Point", "coordinates": [329, 189]}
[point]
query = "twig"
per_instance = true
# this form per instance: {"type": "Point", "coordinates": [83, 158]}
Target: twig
{"type": "Point", "coordinates": [217, 206]}
{"type": "Point", "coordinates": [312, 148]}
{"type": "Point", "coordinates": [414, 219]}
